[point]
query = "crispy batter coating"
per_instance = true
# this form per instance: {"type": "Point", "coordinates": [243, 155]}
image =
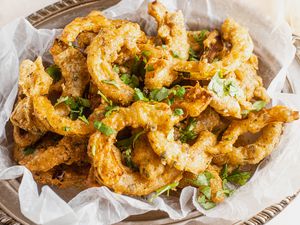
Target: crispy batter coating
{"type": "Point", "coordinates": [249, 80]}
{"type": "Point", "coordinates": [171, 29]}
{"type": "Point", "coordinates": [68, 151]}
{"type": "Point", "coordinates": [180, 155]}
{"type": "Point", "coordinates": [92, 22]}
{"type": "Point", "coordinates": [74, 70]}
{"type": "Point", "coordinates": [106, 157]}
{"type": "Point", "coordinates": [255, 152]}
{"type": "Point", "coordinates": [194, 102]}
{"type": "Point", "coordinates": [53, 121]}
{"type": "Point", "coordinates": [172, 32]}
{"type": "Point", "coordinates": [144, 157]}
{"type": "Point", "coordinates": [103, 51]}
{"type": "Point", "coordinates": [33, 81]}
{"type": "Point", "coordinates": [64, 176]}
{"type": "Point", "coordinates": [253, 124]}
{"type": "Point", "coordinates": [24, 138]}
{"type": "Point", "coordinates": [113, 74]}
{"type": "Point", "coordinates": [241, 51]}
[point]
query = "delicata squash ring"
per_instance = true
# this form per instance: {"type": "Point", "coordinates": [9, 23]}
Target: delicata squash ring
{"type": "Point", "coordinates": [253, 124]}
{"type": "Point", "coordinates": [106, 157]}
{"type": "Point", "coordinates": [241, 51]}
{"type": "Point", "coordinates": [103, 51]}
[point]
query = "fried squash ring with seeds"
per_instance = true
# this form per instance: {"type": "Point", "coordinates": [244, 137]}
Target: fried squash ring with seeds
{"type": "Point", "coordinates": [106, 157]}
{"type": "Point", "coordinates": [103, 51]}
{"type": "Point", "coordinates": [255, 152]}
{"type": "Point", "coordinates": [241, 51]}
{"type": "Point", "coordinates": [53, 121]}
{"type": "Point", "coordinates": [67, 151]}
{"type": "Point", "coordinates": [72, 64]}
{"type": "Point", "coordinates": [182, 156]}
{"type": "Point", "coordinates": [253, 124]}
{"type": "Point", "coordinates": [171, 30]}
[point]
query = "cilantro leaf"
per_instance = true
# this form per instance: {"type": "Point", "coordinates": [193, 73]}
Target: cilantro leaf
{"type": "Point", "coordinates": [175, 54]}
{"type": "Point", "coordinates": [258, 105]}
{"type": "Point", "coordinates": [238, 177]}
{"type": "Point", "coordinates": [188, 133]}
{"type": "Point", "coordinates": [111, 82]}
{"type": "Point", "coordinates": [105, 98]}
{"type": "Point", "coordinates": [139, 95]}
{"type": "Point", "coordinates": [84, 119]}
{"type": "Point", "coordinates": [109, 109]}
{"type": "Point", "coordinates": [149, 68]}
{"type": "Point", "coordinates": [116, 68]}
{"type": "Point", "coordinates": [163, 189]}
{"type": "Point", "coordinates": [224, 87]}
{"type": "Point", "coordinates": [205, 203]}
{"type": "Point", "coordinates": [193, 55]}
{"type": "Point", "coordinates": [132, 81]}
{"type": "Point", "coordinates": [28, 150]}
{"type": "Point", "coordinates": [54, 72]}
{"type": "Point", "coordinates": [159, 94]}
{"type": "Point", "coordinates": [146, 53]}
{"type": "Point", "coordinates": [178, 111]}
{"type": "Point", "coordinates": [103, 128]}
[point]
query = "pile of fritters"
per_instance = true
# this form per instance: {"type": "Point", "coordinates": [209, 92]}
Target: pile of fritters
{"type": "Point", "coordinates": [142, 114]}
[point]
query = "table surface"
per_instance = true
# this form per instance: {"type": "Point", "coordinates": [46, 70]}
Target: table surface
{"type": "Point", "coordinates": [11, 9]}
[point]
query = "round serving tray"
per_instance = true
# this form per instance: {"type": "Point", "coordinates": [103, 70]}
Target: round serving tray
{"type": "Point", "coordinates": [58, 15]}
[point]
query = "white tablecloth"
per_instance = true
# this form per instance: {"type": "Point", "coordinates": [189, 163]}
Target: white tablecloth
{"type": "Point", "coordinates": [278, 9]}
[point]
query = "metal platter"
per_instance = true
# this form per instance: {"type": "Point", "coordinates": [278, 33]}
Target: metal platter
{"type": "Point", "coordinates": [58, 15]}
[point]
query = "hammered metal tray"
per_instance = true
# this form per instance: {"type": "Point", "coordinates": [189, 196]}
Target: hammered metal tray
{"type": "Point", "coordinates": [58, 15]}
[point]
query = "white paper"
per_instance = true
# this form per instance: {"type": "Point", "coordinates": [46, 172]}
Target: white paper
{"type": "Point", "coordinates": [277, 179]}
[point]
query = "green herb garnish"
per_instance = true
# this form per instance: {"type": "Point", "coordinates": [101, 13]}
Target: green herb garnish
{"type": "Point", "coordinates": [116, 68]}
{"type": "Point", "coordinates": [146, 53]}
{"type": "Point", "coordinates": [111, 82]}
{"type": "Point", "coordinates": [166, 188]}
{"type": "Point", "coordinates": [239, 177]}
{"type": "Point", "coordinates": [258, 105]}
{"type": "Point", "coordinates": [105, 98]}
{"type": "Point", "coordinates": [175, 54]}
{"type": "Point", "coordinates": [188, 133]}
{"type": "Point", "coordinates": [103, 128]}
{"type": "Point", "coordinates": [225, 87]}
{"type": "Point", "coordinates": [131, 80]}
{"type": "Point", "coordinates": [178, 112]}
{"type": "Point", "coordinates": [193, 55]}
{"type": "Point", "coordinates": [159, 94]}
{"type": "Point", "coordinates": [84, 119]}
{"type": "Point", "coordinates": [139, 95]}
{"type": "Point", "coordinates": [149, 68]}
{"type": "Point", "coordinates": [66, 128]}
{"type": "Point", "coordinates": [54, 72]}
{"type": "Point", "coordinates": [28, 150]}
{"type": "Point", "coordinates": [109, 109]}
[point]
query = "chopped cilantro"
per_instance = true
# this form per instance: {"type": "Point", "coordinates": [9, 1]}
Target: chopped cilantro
{"type": "Point", "coordinates": [193, 55]}
{"type": "Point", "coordinates": [188, 133]}
{"type": "Point", "coordinates": [178, 111]}
{"type": "Point", "coordinates": [84, 119]}
{"type": "Point", "coordinates": [111, 82]}
{"type": "Point", "coordinates": [66, 128]}
{"type": "Point", "coordinates": [139, 95]}
{"type": "Point", "coordinates": [149, 68]}
{"type": "Point", "coordinates": [239, 177]}
{"type": "Point", "coordinates": [109, 109]}
{"type": "Point", "coordinates": [54, 72]}
{"type": "Point", "coordinates": [103, 128]}
{"type": "Point", "coordinates": [159, 94]}
{"type": "Point", "coordinates": [131, 80]}
{"type": "Point", "coordinates": [105, 98]}
{"type": "Point", "coordinates": [28, 150]}
{"type": "Point", "coordinates": [163, 189]}
{"type": "Point", "coordinates": [146, 53]}
{"type": "Point", "coordinates": [116, 68]}
{"type": "Point", "coordinates": [175, 54]}
{"type": "Point", "coordinates": [224, 87]}
{"type": "Point", "coordinates": [258, 105]}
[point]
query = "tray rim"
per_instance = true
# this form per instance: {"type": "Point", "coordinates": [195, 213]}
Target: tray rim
{"type": "Point", "coordinates": [46, 13]}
